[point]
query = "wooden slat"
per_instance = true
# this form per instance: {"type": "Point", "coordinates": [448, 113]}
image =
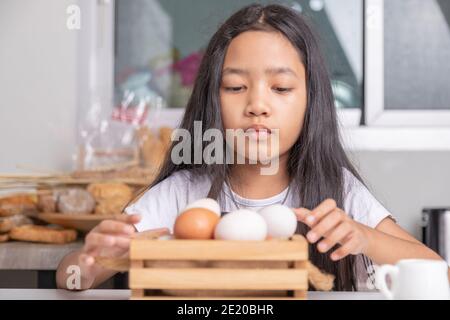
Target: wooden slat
{"type": "Point", "coordinates": [300, 265]}
{"type": "Point", "coordinates": [270, 250]}
{"type": "Point", "coordinates": [216, 278]}
{"type": "Point", "coordinates": [137, 293]}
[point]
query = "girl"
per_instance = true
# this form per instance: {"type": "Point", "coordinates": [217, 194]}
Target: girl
{"type": "Point", "coordinates": [262, 70]}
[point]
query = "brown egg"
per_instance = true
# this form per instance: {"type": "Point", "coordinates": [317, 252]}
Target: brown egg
{"type": "Point", "coordinates": [196, 223]}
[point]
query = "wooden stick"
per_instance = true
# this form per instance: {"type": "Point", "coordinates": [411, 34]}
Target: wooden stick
{"type": "Point", "coordinates": [30, 193]}
{"type": "Point", "coordinates": [12, 182]}
{"type": "Point", "coordinates": [17, 176]}
{"type": "Point", "coordinates": [36, 169]}
{"type": "Point", "coordinates": [300, 294]}
{"type": "Point", "coordinates": [137, 293]}
{"type": "Point", "coordinates": [116, 166]}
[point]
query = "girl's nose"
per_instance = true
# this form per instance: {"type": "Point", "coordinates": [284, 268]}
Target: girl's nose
{"type": "Point", "coordinates": [256, 112]}
{"type": "Point", "coordinates": [257, 105]}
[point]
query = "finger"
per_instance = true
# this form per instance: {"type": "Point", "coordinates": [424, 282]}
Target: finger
{"type": "Point", "coordinates": [95, 240]}
{"type": "Point", "coordinates": [320, 211]}
{"type": "Point", "coordinates": [86, 260]}
{"type": "Point", "coordinates": [118, 242]}
{"type": "Point", "coordinates": [123, 242]}
{"type": "Point", "coordinates": [337, 235]}
{"type": "Point", "coordinates": [113, 226]}
{"type": "Point", "coordinates": [344, 250]}
{"type": "Point", "coordinates": [325, 225]}
{"type": "Point", "coordinates": [302, 214]}
{"type": "Point", "coordinates": [152, 233]}
{"type": "Point", "coordinates": [129, 218]}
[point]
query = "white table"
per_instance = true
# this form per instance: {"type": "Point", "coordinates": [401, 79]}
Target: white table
{"type": "Point", "coordinates": [99, 294]}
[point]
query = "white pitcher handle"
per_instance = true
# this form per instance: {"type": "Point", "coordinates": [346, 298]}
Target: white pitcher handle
{"type": "Point", "coordinates": [380, 279]}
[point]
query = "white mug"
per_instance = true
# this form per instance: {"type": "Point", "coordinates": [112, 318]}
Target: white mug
{"type": "Point", "coordinates": [414, 279]}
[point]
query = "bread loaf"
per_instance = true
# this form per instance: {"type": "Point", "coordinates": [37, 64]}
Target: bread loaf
{"type": "Point", "coordinates": [43, 234]}
{"type": "Point", "coordinates": [110, 197]}
{"type": "Point", "coordinates": [4, 237]}
{"type": "Point", "coordinates": [7, 223]}
{"type": "Point", "coordinates": [165, 135]}
{"type": "Point", "coordinates": [17, 204]}
{"type": "Point", "coordinates": [47, 202]}
{"type": "Point", "coordinates": [75, 201]}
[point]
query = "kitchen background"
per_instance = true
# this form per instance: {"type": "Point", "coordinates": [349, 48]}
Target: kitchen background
{"type": "Point", "coordinates": [389, 61]}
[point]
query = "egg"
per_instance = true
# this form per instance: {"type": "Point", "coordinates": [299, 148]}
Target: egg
{"type": "Point", "coordinates": [241, 225]}
{"type": "Point", "coordinates": [196, 223]}
{"type": "Point", "coordinates": [166, 237]}
{"type": "Point", "coordinates": [281, 221]}
{"type": "Point", "coordinates": [206, 203]}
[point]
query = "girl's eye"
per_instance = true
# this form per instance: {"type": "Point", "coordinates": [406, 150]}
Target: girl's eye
{"type": "Point", "coordinates": [282, 90]}
{"type": "Point", "coordinates": [234, 89]}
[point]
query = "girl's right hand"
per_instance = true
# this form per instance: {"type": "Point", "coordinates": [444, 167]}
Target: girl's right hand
{"type": "Point", "coordinates": [110, 238]}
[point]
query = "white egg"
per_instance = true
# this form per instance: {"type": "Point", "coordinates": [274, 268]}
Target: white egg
{"type": "Point", "coordinates": [167, 237]}
{"type": "Point", "coordinates": [281, 221]}
{"type": "Point", "coordinates": [241, 225]}
{"type": "Point", "coordinates": [206, 203]}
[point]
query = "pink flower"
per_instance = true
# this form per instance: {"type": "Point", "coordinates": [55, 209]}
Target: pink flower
{"type": "Point", "coordinates": [188, 68]}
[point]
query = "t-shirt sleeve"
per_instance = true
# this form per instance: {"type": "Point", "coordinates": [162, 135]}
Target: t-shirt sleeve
{"type": "Point", "coordinates": [361, 205]}
{"type": "Point", "coordinates": [159, 206]}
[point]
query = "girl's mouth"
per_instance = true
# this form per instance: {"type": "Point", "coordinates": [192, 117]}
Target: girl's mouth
{"type": "Point", "coordinates": [258, 132]}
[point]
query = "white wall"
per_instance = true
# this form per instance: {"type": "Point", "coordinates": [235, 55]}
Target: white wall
{"type": "Point", "coordinates": [37, 85]}
{"type": "Point", "coordinates": [406, 182]}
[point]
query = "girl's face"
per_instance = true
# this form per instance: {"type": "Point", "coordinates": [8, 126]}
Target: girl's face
{"type": "Point", "coordinates": [264, 85]}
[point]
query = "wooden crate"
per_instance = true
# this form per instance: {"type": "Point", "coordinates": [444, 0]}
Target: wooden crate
{"type": "Point", "coordinates": [145, 278]}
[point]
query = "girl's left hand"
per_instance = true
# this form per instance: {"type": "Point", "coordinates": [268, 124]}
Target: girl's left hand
{"type": "Point", "coordinates": [335, 226]}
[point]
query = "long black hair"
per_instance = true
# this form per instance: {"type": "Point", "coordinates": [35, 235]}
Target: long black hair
{"type": "Point", "coordinates": [317, 159]}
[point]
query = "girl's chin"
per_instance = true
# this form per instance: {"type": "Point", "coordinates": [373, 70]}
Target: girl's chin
{"type": "Point", "coordinates": [260, 160]}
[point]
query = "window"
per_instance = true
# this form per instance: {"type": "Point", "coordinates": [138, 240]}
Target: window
{"type": "Point", "coordinates": [407, 55]}
{"type": "Point", "coordinates": [162, 41]}
{"type": "Point", "coordinates": [388, 61]}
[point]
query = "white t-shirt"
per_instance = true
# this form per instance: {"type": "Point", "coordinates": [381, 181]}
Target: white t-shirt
{"type": "Point", "coordinates": [160, 205]}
